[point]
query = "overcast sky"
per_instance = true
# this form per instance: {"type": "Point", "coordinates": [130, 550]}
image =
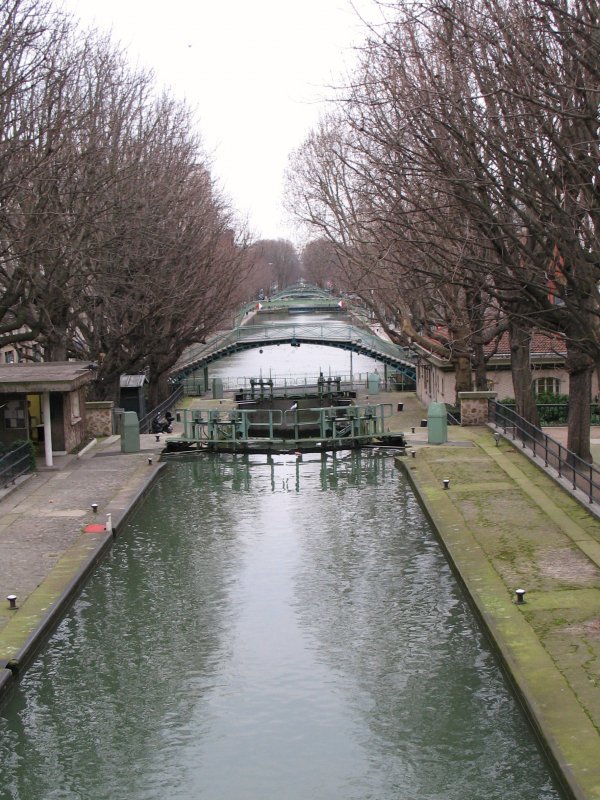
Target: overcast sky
{"type": "Point", "coordinates": [256, 71]}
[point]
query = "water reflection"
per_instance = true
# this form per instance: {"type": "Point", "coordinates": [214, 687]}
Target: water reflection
{"type": "Point", "coordinates": [271, 627]}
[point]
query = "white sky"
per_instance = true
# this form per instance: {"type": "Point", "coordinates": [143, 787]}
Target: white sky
{"type": "Point", "coordinates": [256, 71]}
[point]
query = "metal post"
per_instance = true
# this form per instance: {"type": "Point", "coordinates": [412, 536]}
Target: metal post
{"type": "Point", "coordinates": [351, 378]}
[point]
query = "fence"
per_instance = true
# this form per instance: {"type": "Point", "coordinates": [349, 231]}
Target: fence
{"type": "Point", "coordinates": [570, 467]}
{"type": "Point", "coordinates": [15, 463]}
{"type": "Point", "coordinates": [333, 424]}
{"type": "Point", "coordinates": [195, 385]}
{"type": "Point", "coordinates": [558, 413]}
{"type": "Point", "coordinates": [146, 421]}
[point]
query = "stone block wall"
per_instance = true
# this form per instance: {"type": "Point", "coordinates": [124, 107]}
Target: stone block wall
{"type": "Point", "coordinates": [474, 407]}
{"type": "Point", "coordinates": [99, 417]}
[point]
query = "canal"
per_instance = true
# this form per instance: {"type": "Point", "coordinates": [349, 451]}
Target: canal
{"type": "Point", "coordinates": [271, 628]}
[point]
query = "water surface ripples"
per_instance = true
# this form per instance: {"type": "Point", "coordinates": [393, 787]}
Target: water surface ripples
{"type": "Point", "coordinates": [271, 628]}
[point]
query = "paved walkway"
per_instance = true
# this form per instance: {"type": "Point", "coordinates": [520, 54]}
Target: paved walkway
{"type": "Point", "coordinates": [504, 523]}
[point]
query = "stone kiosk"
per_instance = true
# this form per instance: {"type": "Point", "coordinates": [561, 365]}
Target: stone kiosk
{"type": "Point", "coordinates": [44, 401]}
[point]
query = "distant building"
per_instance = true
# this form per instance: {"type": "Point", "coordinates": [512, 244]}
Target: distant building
{"type": "Point", "coordinates": [436, 379]}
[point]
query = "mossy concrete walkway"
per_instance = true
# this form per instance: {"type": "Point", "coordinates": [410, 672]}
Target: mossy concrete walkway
{"type": "Point", "coordinates": [506, 525]}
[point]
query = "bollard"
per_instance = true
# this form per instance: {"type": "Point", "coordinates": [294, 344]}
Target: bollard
{"type": "Point", "coordinates": [520, 596]}
{"type": "Point", "coordinates": [412, 430]}
{"type": "Point", "coordinates": [413, 453]}
{"type": "Point", "coordinates": [158, 437]}
{"type": "Point", "coordinates": [12, 600]}
{"type": "Point", "coordinates": [149, 459]}
{"type": "Point", "coordinates": [95, 508]}
{"type": "Point", "coordinates": [109, 523]}
{"type": "Point", "coordinates": [446, 483]}
{"type": "Point", "coordinates": [497, 439]}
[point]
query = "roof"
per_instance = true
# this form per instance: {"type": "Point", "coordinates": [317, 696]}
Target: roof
{"type": "Point", "coordinates": [542, 344]}
{"type": "Point", "coordinates": [132, 381]}
{"type": "Point", "coordinates": [545, 348]}
{"type": "Point", "coordinates": [46, 376]}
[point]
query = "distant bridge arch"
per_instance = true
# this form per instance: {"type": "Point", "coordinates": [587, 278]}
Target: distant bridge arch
{"type": "Point", "coordinates": [330, 334]}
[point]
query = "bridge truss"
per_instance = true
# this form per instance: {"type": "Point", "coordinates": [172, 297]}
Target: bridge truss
{"type": "Point", "coordinates": [329, 334]}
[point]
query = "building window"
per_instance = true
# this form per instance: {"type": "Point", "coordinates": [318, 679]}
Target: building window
{"type": "Point", "coordinates": [546, 386]}
{"type": "Point", "coordinates": [75, 409]}
{"type": "Point", "coordinates": [14, 414]}
{"type": "Point", "coordinates": [9, 356]}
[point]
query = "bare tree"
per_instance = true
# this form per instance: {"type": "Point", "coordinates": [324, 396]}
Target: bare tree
{"type": "Point", "coordinates": [274, 265]}
{"type": "Point", "coordinates": [116, 245]}
{"type": "Point", "coordinates": [469, 148]}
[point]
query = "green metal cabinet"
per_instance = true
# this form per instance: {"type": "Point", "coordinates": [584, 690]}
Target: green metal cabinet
{"type": "Point", "coordinates": [130, 433]}
{"type": "Point", "coordinates": [437, 423]}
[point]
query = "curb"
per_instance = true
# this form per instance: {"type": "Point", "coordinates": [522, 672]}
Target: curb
{"type": "Point", "coordinates": [494, 611]}
{"type": "Point", "coordinates": [39, 618]}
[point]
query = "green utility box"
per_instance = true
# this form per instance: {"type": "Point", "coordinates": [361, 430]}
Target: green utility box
{"type": "Point", "coordinates": [217, 389]}
{"type": "Point", "coordinates": [130, 433]}
{"type": "Point", "coordinates": [373, 383]}
{"type": "Point", "coordinates": [437, 423]}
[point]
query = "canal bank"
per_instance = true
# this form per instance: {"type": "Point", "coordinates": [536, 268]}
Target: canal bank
{"type": "Point", "coordinates": [504, 525]}
{"type": "Point", "coordinates": [46, 553]}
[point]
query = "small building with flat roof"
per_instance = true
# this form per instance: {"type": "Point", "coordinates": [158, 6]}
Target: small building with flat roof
{"type": "Point", "coordinates": [45, 402]}
{"type": "Point", "coordinates": [132, 393]}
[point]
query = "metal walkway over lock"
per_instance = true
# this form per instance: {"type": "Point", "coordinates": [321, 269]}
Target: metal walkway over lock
{"type": "Point", "coordinates": [276, 430]}
{"type": "Point", "coordinates": [330, 334]}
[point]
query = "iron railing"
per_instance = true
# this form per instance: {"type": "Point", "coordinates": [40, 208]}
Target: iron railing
{"type": "Point", "coordinates": [285, 383]}
{"type": "Point", "coordinates": [15, 463]}
{"type": "Point", "coordinates": [173, 398]}
{"type": "Point", "coordinates": [341, 335]}
{"type": "Point", "coordinates": [569, 466]}
{"type": "Point", "coordinates": [558, 413]}
{"type": "Point", "coordinates": [307, 425]}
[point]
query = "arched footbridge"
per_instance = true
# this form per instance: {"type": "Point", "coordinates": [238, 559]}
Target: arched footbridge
{"type": "Point", "coordinates": [329, 334]}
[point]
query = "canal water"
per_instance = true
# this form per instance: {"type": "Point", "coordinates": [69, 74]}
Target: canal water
{"type": "Point", "coordinates": [271, 628]}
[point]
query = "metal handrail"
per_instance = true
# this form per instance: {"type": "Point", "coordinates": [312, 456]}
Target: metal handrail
{"type": "Point", "coordinates": [333, 422]}
{"type": "Point", "coordinates": [173, 398]}
{"type": "Point", "coordinates": [570, 467]}
{"type": "Point", "coordinates": [332, 333]}
{"type": "Point", "coordinates": [16, 463]}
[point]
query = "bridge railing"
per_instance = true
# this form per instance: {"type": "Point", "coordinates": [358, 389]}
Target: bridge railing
{"type": "Point", "coordinates": [285, 383]}
{"type": "Point", "coordinates": [339, 334]}
{"type": "Point", "coordinates": [338, 424]}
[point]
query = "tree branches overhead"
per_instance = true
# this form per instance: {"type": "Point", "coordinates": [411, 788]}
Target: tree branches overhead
{"type": "Point", "coordinates": [458, 171]}
{"type": "Point", "coordinates": [115, 245]}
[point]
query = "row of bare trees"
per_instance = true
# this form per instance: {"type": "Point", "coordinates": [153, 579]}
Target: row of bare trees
{"type": "Point", "coordinates": [115, 245]}
{"type": "Point", "coordinates": [456, 178]}
{"type": "Point", "coordinates": [275, 264]}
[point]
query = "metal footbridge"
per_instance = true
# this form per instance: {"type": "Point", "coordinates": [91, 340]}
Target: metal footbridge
{"type": "Point", "coordinates": [329, 334]}
{"type": "Point", "coordinates": [300, 298]}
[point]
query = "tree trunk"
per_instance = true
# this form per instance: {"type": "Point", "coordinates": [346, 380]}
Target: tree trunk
{"type": "Point", "coordinates": [463, 375]}
{"type": "Point", "coordinates": [159, 389]}
{"type": "Point", "coordinates": [580, 367]}
{"type": "Point", "coordinates": [520, 340]}
{"type": "Point", "coordinates": [55, 351]}
{"type": "Point", "coordinates": [481, 383]}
